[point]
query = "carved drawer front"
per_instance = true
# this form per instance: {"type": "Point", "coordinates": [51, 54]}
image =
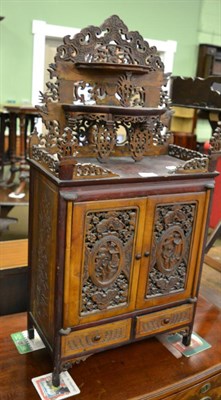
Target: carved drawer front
{"type": "Point", "coordinates": [206, 390]}
{"type": "Point", "coordinates": [163, 320]}
{"type": "Point", "coordinates": [96, 337]}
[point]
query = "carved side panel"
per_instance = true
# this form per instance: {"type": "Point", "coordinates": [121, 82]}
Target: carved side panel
{"type": "Point", "coordinates": [43, 258]}
{"type": "Point", "coordinates": [42, 275]}
{"type": "Point", "coordinates": [108, 248]}
{"type": "Point", "coordinates": [172, 236]}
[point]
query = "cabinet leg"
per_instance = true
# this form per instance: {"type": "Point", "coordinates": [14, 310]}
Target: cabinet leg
{"type": "Point", "coordinates": [56, 378]}
{"type": "Point", "coordinates": [186, 339]}
{"type": "Point", "coordinates": [31, 332]}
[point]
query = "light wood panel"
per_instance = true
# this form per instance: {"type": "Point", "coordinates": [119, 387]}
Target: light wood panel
{"type": "Point", "coordinates": [14, 253]}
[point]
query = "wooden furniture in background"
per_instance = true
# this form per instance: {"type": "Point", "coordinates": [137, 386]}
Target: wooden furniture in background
{"type": "Point", "coordinates": [142, 370]}
{"type": "Point", "coordinates": [194, 96]}
{"type": "Point", "coordinates": [26, 116]}
{"type": "Point", "coordinates": [14, 253]}
{"type": "Point", "coordinates": [13, 257]}
{"type": "Point", "coordinates": [13, 276]}
{"type": "Point", "coordinates": [200, 94]}
{"type": "Point", "coordinates": [4, 123]}
{"type": "Point", "coordinates": [197, 97]}
{"type": "Point", "coordinates": [118, 214]}
{"type": "Point", "coordinates": [209, 60]}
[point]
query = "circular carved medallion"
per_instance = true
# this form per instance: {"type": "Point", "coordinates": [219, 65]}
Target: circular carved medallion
{"type": "Point", "coordinates": [106, 260]}
{"type": "Point", "coordinates": [170, 250]}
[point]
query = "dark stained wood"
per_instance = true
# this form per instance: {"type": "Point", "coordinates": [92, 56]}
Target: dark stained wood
{"type": "Point", "coordinates": [187, 140]}
{"type": "Point", "coordinates": [209, 60]}
{"type": "Point", "coordinates": [196, 93]}
{"type": "Point", "coordinates": [13, 290]}
{"type": "Point", "coordinates": [143, 370]}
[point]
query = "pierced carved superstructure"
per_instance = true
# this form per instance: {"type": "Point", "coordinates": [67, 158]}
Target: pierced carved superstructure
{"type": "Point", "coordinates": [106, 98]}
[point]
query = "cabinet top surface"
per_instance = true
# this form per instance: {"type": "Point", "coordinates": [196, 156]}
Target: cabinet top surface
{"type": "Point", "coordinates": [124, 169]}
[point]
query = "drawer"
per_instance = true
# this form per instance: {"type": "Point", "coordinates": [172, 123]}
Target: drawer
{"type": "Point", "coordinates": [90, 339]}
{"type": "Point", "coordinates": [207, 390]}
{"type": "Point", "coordinates": [162, 320]}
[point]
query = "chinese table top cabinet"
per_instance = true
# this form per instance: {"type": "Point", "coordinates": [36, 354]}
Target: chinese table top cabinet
{"type": "Point", "coordinates": [118, 214]}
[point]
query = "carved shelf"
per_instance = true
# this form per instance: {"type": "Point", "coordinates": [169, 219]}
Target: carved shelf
{"type": "Point", "coordinates": [127, 111]}
{"type": "Point", "coordinates": [136, 69]}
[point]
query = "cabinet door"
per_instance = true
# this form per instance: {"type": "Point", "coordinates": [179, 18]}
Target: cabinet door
{"type": "Point", "coordinates": [172, 248]}
{"type": "Point", "coordinates": [104, 242]}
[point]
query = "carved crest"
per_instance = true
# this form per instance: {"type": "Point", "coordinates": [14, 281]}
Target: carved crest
{"type": "Point", "coordinates": [110, 43]}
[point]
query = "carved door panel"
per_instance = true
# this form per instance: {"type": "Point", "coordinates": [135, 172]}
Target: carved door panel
{"type": "Point", "coordinates": [173, 240]}
{"type": "Point", "coordinates": [102, 258]}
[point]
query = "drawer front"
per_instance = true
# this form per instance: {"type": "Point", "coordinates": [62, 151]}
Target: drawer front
{"type": "Point", "coordinates": [163, 320]}
{"type": "Point", "coordinates": [207, 390]}
{"type": "Point", "coordinates": [96, 337]}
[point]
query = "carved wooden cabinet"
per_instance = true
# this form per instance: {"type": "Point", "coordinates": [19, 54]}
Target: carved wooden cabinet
{"type": "Point", "coordinates": [118, 214]}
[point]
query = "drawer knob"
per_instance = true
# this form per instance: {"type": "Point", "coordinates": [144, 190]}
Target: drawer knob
{"type": "Point", "coordinates": [205, 388]}
{"type": "Point", "coordinates": [138, 256]}
{"type": "Point", "coordinates": [96, 338]}
{"type": "Point", "coordinates": [146, 254]}
{"type": "Point", "coordinates": [166, 321]}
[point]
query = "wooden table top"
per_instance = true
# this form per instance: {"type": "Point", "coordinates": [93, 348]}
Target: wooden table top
{"type": "Point", "coordinates": [143, 370]}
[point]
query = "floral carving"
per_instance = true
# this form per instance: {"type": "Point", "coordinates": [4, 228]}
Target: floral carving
{"type": "Point", "coordinates": [68, 143]}
{"type": "Point", "coordinates": [129, 94]}
{"type": "Point", "coordinates": [139, 141]}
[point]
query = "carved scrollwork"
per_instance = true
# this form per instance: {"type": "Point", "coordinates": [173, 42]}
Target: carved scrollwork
{"type": "Point", "coordinates": [52, 93]}
{"type": "Point", "coordinates": [104, 139]}
{"type": "Point", "coordinates": [183, 153]}
{"type": "Point", "coordinates": [194, 165]}
{"type": "Point", "coordinates": [128, 93]}
{"type": "Point", "coordinates": [139, 140]}
{"type": "Point", "coordinates": [68, 143]}
{"type": "Point", "coordinates": [102, 78]}
{"type": "Point", "coordinates": [108, 248]}
{"type": "Point", "coordinates": [111, 43]}
{"type": "Point", "coordinates": [215, 140]}
{"type": "Point", "coordinates": [91, 171]}
{"type": "Point", "coordinates": [40, 154]}
{"type": "Point", "coordinates": [171, 246]}
{"type": "Point", "coordinates": [89, 93]}
{"type": "Point", "coordinates": [195, 161]}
